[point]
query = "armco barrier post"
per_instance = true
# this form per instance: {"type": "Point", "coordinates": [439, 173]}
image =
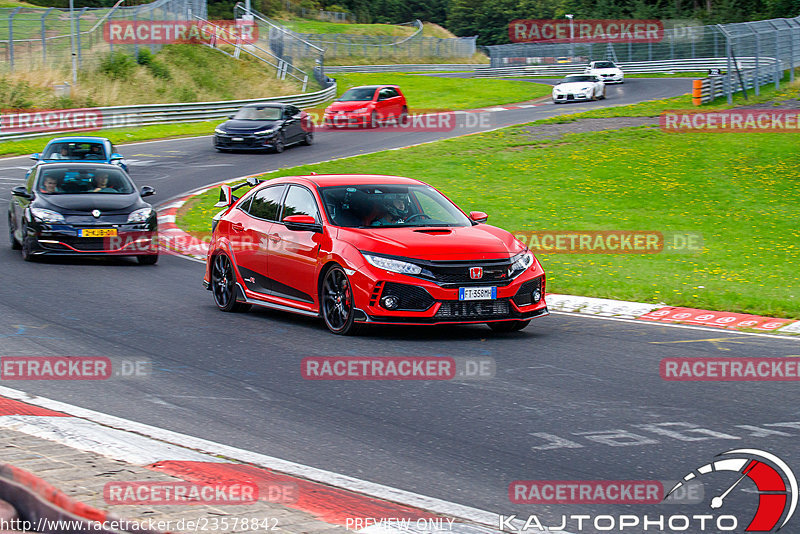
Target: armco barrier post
{"type": "Point", "coordinates": [697, 92]}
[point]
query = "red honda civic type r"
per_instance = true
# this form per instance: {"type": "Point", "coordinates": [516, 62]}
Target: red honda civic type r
{"type": "Point", "coordinates": [369, 249]}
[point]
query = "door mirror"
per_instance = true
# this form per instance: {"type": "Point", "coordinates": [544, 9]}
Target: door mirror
{"type": "Point", "coordinates": [147, 191]}
{"type": "Point", "coordinates": [300, 223]}
{"type": "Point", "coordinates": [115, 157]}
{"type": "Point", "coordinates": [21, 191]}
{"type": "Point", "coordinates": [478, 216]}
{"type": "Point", "coordinates": [226, 197]}
{"type": "Point", "coordinates": [35, 156]}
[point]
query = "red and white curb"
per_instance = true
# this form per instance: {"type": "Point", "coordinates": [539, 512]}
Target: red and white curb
{"type": "Point", "coordinates": [331, 497]}
{"type": "Point", "coordinates": [662, 313]}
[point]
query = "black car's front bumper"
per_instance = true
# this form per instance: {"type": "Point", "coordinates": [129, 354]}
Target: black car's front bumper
{"type": "Point", "coordinates": [245, 141]}
{"type": "Point", "coordinates": [66, 239]}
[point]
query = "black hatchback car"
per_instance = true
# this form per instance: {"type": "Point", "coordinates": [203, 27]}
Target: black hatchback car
{"type": "Point", "coordinates": [271, 126]}
{"type": "Point", "coordinates": [82, 209]}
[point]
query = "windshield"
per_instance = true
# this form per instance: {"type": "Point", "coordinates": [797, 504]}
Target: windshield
{"type": "Point", "coordinates": [358, 94]}
{"type": "Point", "coordinates": [604, 65]}
{"type": "Point", "coordinates": [578, 78]}
{"type": "Point", "coordinates": [258, 114]}
{"type": "Point", "coordinates": [394, 206]}
{"type": "Point", "coordinates": [71, 181]}
{"type": "Point", "coordinates": [90, 151]}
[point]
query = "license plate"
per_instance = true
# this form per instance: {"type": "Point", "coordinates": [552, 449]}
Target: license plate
{"type": "Point", "coordinates": [237, 139]}
{"type": "Point", "coordinates": [98, 232]}
{"type": "Point", "coordinates": [477, 293]}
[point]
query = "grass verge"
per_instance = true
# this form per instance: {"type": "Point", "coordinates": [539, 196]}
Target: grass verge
{"type": "Point", "coordinates": [736, 189]}
{"type": "Point", "coordinates": [430, 92]}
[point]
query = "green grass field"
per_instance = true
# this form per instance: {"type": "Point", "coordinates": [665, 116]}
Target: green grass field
{"type": "Point", "coordinates": [739, 191]}
{"type": "Point", "coordinates": [427, 92]}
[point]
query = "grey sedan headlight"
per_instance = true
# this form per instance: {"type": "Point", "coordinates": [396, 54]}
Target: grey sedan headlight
{"type": "Point", "coordinates": [395, 266]}
{"type": "Point", "coordinates": [140, 215]}
{"type": "Point", "coordinates": [264, 132]}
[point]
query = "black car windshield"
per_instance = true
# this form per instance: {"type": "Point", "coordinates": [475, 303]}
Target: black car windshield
{"type": "Point", "coordinates": [604, 65]}
{"type": "Point", "coordinates": [75, 150]}
{"type": "Point", "coordinates": [358, 94]}
{"type": "Point", "coordinates": [74, 181]}
{"type": "Point", "coordinates": [389, 205]}
{"type": "Point", "coordinates": [258, 114]}
{"type": "Point", "coordinates": [579, 78]}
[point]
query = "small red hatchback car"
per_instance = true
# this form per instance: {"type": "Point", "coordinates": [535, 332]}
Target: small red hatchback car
{"type": "Point", "coordinates": [369, 106]}
{"type": "Point", "coordinates": [369, 249]}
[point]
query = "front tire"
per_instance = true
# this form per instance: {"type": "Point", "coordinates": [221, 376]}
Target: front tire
{"type": "Point", "coordinates": [147, 259]}
{"type": "Point", "coordinates": [404, 116]}
{"type": "Point", "coordinates": [308, 139]}
{"type": "Point", "coordinates": [223, 285]}
{"type": "Point", "coordinates": [27, 249]}
{"type": "Point", "coordinates": [279, 144]}
{"type": "Point", "coordinates": [508, 326]}
{"type": "Point", "coordinates": [336, 303]}
{"type": "Point", "coordinates": [15, 245]}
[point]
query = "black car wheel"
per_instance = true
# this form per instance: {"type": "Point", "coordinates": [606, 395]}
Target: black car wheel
{"type": "Point", "coordinates": [508, 326]}
{"type": "Point", "coordinates": [223, 285]}
{"type": "Point", "coordinates": [337, 303]}
{"type": "Point", "coordinates": [27, 246]}
{"type": "Point", "coordinates": [404, 116]}
{"type": "Point", "coordinates": [279, 146]}
{"type": "Point", "coordinates": [308, 138]}
{"type": "Point", "coordinates": [14, 243]}
{"type": "Point", "coordinates": [147, 259]}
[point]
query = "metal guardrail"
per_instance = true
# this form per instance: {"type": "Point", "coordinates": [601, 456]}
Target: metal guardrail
{"type": "Point", "coordinates": [634, 67]}
{"type": "Point", "coordinates": [708, 89]}
{"type": "Point", "coordinates": [133, 116]}
{"type": "Point", "coordinates": [428, 67]}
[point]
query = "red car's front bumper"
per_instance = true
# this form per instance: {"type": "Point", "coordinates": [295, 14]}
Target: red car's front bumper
{"type": "Point", "coordinates": [425, 302]}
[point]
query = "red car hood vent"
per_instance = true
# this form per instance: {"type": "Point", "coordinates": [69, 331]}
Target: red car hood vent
{"type": "Point", "coordinates": [435, 231]}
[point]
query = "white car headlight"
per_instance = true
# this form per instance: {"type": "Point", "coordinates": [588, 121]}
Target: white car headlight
{"type": "Point", "coordinates": [48, 216]}
{"type": "Point", "coordinates": [140, 215]}
{"type": "Point", "coordinates": [264, 132]}
{"type": "Point", "coordinates": [217, 130]}
{"type": "Point", "coordinates": [395, 266]}
{"type": "Point", "coordinates": [361, 110]}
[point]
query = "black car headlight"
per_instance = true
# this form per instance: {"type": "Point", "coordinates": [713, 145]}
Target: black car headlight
{"type": "Point", "coordinates": [520, 263]}
{"type": "Point", "coordinates": [140, 215]}
{"type": "Point", "coordinates": [268, 131]}
{"type": "Point", "coordinates": [47, 216]}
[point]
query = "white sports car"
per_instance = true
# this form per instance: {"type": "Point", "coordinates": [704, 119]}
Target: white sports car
{"type": "Point", "coordinates": [576, 87]}
{"type": "Point", "coordinates": [607, 70]}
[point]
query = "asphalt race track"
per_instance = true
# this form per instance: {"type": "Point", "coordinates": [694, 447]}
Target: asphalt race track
{"type": "Point", "coordinates": [573, 398]}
